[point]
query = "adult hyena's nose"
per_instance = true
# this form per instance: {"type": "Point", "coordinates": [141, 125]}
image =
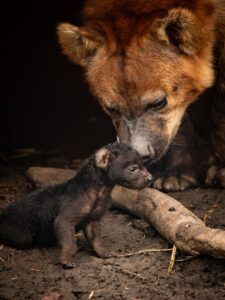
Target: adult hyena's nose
{"type": "Point", "coordinates": [144, 148]}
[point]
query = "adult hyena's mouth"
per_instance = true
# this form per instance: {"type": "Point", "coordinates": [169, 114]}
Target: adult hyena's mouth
{"type": "Point", "coordinates": [149, 153]}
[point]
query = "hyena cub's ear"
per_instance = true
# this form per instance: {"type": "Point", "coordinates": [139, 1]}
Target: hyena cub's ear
{"type": "Point", "coordinates": [103, 158]}
{"type": "Point", "coordinates": [79, 44]}
{"type": "Point", "coordinates": [182, 29]}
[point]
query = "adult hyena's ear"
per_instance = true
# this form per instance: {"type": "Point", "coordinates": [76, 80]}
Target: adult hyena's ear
{"type": "Point", "coordinates": [182, 29]}
{"type": "Point", "coordinates": [78, 43]}
{"type": "Point", "coordinates": [103, 158]}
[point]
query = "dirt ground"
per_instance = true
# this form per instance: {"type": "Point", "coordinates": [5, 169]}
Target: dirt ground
{"type": "Point", "coordinates": [31, 274]}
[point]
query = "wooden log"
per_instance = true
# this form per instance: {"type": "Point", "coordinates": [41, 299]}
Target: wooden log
{"type": "Point", "coordinates": [172, 220]}
{"type": "Point", "coordinates": [43, 177]}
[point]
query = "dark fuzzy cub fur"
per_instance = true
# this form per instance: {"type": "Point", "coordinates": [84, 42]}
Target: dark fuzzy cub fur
{"type": "Point", "coordinates": [52, 214]}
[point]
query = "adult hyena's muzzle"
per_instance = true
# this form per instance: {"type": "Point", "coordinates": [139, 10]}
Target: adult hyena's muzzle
{"type": "Point", "coordinates": [147, 138]}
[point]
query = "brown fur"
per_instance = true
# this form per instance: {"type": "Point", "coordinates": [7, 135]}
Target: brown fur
{"type": "Point", "coordinates": [136, 53]}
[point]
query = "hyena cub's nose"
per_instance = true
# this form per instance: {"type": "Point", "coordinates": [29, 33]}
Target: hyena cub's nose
{"type": "Point", "coordinates": [149, 180]}
{"type": "Point", "coordinates": [149, 177]}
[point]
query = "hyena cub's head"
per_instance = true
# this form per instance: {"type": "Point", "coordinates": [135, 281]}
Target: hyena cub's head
{"type": "Point", "coordinates": [123, 166]}
{"type": "Point", "coordinates": [145, 70]}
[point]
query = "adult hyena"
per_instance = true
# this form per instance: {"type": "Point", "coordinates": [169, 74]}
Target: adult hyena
{"type": "Point", "coordinates": [146, 61]}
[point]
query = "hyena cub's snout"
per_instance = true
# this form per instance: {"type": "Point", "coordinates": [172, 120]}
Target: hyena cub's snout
{"type": "Point", "coordinates": [142, 179]}
{"type": "Point", "coordinates": [147, 177]}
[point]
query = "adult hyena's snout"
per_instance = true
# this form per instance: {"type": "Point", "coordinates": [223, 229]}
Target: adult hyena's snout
{"type": "Point", "coordinates": [150, 143]}
{"type": "Point", "coordinates": [144, 147]}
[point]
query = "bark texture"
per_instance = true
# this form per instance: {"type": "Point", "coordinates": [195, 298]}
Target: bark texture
{"type": "Point", "coordinates": [172, 220]}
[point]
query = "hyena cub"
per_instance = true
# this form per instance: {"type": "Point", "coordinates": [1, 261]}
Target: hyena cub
{"type": "Point", "coordinates": [54, 213]}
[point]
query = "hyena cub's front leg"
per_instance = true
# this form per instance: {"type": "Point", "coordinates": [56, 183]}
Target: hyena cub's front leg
{"type": "Point", "coordinates": [93, 235]}
{"type": "Point", "coordinates": [64, 230]}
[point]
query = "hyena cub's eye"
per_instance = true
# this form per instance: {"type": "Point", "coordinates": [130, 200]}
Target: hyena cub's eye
{"type": "Point", "coordinates": [157, 104]}
{"type": "Point", "coordinates": [112, 111]}
{"type": "Point", "coordinates": [133, 168]}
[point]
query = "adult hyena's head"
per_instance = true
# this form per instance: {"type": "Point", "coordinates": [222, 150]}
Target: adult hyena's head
{"type": "Point", "coordinates": [145, 68]}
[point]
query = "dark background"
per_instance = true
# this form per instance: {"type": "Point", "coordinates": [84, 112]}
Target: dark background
{"type": "Point", "coordinates": [46, 103]}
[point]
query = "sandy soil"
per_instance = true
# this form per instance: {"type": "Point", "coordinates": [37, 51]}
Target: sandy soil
{"type": "Point", "coordinates": [33, 274]}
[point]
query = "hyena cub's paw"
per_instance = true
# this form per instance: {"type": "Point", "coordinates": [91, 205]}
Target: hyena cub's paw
{"type": "Point", "coordinates": [175, 182]}
{"type": "Point", "coordinates": [102, 252]}
{"type": "Point", "coordinates": [216, 176]}
{"type": "Point", "coordinates": [68, 263]}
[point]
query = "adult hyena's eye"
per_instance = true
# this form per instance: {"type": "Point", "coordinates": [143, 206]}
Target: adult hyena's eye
{"type": "Point", "coordinates": [112, 111]}
{"type": "Point", "coordinates": [157, 104]}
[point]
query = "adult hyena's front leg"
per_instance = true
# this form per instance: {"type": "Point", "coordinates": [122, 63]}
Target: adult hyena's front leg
{"type": "Point", "coordinates": [216, 172]}
{"type": "Point", "coordinates": [176, 171]}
